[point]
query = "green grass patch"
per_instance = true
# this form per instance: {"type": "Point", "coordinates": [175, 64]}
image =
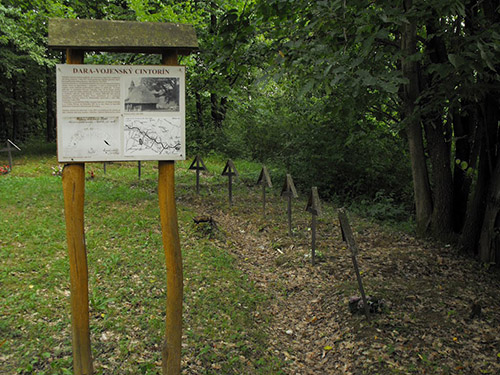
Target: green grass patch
{"type": "Point", "coordinates": [224, 314]}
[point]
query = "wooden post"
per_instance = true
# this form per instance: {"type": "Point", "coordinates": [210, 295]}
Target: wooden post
{"type": "Point", "coordinates": [10, 155]}
{"type": "Point", "coordinates": [197, 177]}
{"type": "Point", "coordinates": [230, 171]}
{"type": "Point", "coordinates": [314, 208]}
{"type": "Point", "coordinates": [104, 167]}
{"type": "Point", "coordinates": [351, 244]}
{"type": "Point", "coordinates": [171, 348]}
{"type": "Point", "coordinates": [289, 214]}
{"type": "Point", "coordinates": [73, 180]}
{"type": "Point", "coordinates": [230, 189]}
{"type": "Point", "coordinates": [313, 240]}
{"type": "Point", "coordinates": [139, 169]}
{"type": "Point", "coordinates": [265, 180]}
{"type": "Point", "coordinates": [198, 165]}
{"type": "Point", "coordinates": [264, 200]}
{"type": "Point", "coordinates": [290, 192]}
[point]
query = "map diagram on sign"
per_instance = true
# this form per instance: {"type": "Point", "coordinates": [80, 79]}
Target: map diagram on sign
{"type": "Point", "coordinates": [80, 135]}
{"type": "Point", "coordinates": [152, 135]}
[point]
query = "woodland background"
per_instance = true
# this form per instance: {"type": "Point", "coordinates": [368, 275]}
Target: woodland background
{"type": "Point", "coordinates": [391, 106]}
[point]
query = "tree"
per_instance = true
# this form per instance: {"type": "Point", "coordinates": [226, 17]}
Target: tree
{"type": "Point", "coordinates": [437, 65]}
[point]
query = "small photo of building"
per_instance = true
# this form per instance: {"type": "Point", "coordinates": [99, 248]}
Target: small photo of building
{"type": "Point", "coordinates": [153, 94]}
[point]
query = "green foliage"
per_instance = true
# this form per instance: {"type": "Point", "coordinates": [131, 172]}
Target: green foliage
{"type": "Point", "coordinates": [322, 141]}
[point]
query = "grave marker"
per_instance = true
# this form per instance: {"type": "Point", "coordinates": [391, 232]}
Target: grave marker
{"type": "Point", "coordinates": [264, 180]}
{"type": "Point", "coordinates": [288, 190]}
{"type": "Point", "coordinates": [230, 171]}
{"type": "Point", "coordinates": [9, 147]}
{"type": "Point", "coordinates": [314, 208]}
{"type": "Point", "coordinates": [353, 247]}
{"type": "Point", "coordinates": [198, 165]}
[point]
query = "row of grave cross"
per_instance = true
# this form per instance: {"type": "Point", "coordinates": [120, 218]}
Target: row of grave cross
{"type": "Point", "coordinates": [289, 191]}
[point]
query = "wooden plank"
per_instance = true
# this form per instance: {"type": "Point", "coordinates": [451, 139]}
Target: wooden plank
{"type": "Point", "coordinates": [121, 36]}
{"type": "Point", "coordinates": [230, 169]}
{"type": "Point", "coordinates": [13, 144]}
{"type": "Point", "coordinates": [264, 177]}
{"type": "Point", "coordinates": [289, 187]}
{"type": "Point", "coordinates": [314, 204]}
{"type": "Point", "coordinates": [351, 244]}
{"type": "Point", "coordinates": [171, 348]}
{"type": "Point", "coordinates": [73, 181]}
{"type": "Point", "coordinates": [197, 164]}
{"type": "Point", "coordinates": [313, 239]}
{"type": "Point", "coordinates": [347, 232]}
{"type": "Point", "coordinates": [9, 153]}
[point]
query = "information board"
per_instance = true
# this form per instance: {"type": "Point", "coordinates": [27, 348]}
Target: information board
{"type": "Point", "coordinates": [120, 112]}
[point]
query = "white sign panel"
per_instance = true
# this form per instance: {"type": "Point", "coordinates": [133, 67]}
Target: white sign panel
{"type": "Point", "coordinates": [120, 112]}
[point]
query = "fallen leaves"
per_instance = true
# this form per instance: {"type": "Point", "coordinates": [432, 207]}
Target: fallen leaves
{"type": "Point", "coordinates": [422, 283]}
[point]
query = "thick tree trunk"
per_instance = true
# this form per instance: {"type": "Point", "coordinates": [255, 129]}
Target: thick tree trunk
{"type": "Point", "coordinates": [421, 185]}
{"type": "Point", "coordinates": [441, 225]}
{"type": "Point", "coordinates": [469, 238]}
{"type": "Point", "coordinates": [489, 242]}
{"type": "Point", "coordinates": [462, 125]}
{"type": "Point", "coordinates": [488, 126]}
{"type": "Point", "coordinates": [439, 143]}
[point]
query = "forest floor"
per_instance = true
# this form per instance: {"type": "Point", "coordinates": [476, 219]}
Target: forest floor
{"type": "Point", "coordinates": [441, 314]}
{"type": "Point", "coordinates": [253, 303]}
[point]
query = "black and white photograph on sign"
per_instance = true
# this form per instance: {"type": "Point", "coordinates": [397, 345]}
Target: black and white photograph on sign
{"type": "Point", "coordinates": [148, 94]}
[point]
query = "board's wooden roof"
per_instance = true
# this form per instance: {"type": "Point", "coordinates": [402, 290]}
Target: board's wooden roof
{"type": "Point", "coordinates": [121, 36]}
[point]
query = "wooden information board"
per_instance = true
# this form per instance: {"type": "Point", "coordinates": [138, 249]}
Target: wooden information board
{"type": "Point", "coordinates": [170, 40]}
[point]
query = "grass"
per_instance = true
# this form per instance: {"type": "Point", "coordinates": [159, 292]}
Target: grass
{"type": "Point", "coordinates": [126, 276]}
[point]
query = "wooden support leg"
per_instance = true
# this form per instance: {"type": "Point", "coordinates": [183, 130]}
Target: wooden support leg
{"type": "Point", "coordinates": [171, 351]}
{"type": "Point", "coordinates": [197, 181]}
{"type": "Point", "coordinates": [230, 188]}
{"type": "Point", "coordinates": [264, 199]}
{"type": "Point", "coordinates": [73, 179]}
{"type": "Point", "coordinates": [10, 156]}
{"type": "Point", "coordinates": [289, 212]}
{"type": "Point", "coordinates": [313, 240]}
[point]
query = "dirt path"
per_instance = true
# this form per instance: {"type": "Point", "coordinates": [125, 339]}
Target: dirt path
{"type": "Point", "coordinates": [427, 327]}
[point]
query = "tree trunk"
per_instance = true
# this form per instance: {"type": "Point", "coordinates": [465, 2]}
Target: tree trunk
{"type": "Point", "coordinates": [462, 126]}
{"type": "Point", "coordinates": [489, 249]}
{"type": "Point", "coordinates": [487, 136]}
{"type": "Point", "coordinates": [14, 111]}
{"type": "Point", "coordinates": [4, 131]}
{"type": "Point", "coordinates": [421, 185]}
{"type": "Point", "coordinates": [439, 142]}
{"type": "Point", "coordinates": [441, 224]}
{"type": "Point", "coordinates": [489, 240]}
{"type": "Point", "coordinates": [214, 109]}
{"type": "Point", "coordinates": [50, 113]}
{"type": "Point", "coordinates": [199, 110]}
